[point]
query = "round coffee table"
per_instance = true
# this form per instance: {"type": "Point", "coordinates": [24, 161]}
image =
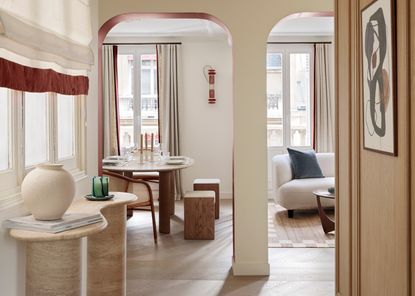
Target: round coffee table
{"type": "Point", "coordinates": [327, 223]}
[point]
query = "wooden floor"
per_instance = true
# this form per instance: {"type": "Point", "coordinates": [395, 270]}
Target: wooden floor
{"type": "Point", "coordinates": [176, 267]}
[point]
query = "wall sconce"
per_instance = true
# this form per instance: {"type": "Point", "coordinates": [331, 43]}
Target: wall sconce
{"type": "Point", "coordinates": [210, 73]}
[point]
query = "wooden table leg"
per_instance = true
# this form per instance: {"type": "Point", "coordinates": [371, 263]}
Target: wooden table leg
{"type": "Point", "coordinates": [106, 255]}
{"type": "Point", "coordinates": [327, 223]}
{"type": "Point", "coordinates": [53, 268]}
{"type": "Point", "coordinates": [172, 195]}
{"type": "Point", "coordinates": [165, 198]}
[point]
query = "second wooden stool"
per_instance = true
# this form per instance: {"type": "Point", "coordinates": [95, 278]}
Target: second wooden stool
{"type": "Point", "coordinates": [209, 184]}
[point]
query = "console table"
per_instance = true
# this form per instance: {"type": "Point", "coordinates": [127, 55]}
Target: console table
{"type": "Point", "coordinates": [53, 260]}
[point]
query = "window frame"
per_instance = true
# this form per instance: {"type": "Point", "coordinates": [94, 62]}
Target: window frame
{"type": "Point", "coordinates": [10, 180]}
{"type": "Point", "coordinates": [49, 152]}
{"type": "Point", "coordinates": [286, 50]}
{"type": "Point", "coordinates": [137, 52]}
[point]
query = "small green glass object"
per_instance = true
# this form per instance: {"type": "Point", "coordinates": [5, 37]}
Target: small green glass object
{"type": "Point", "coordinates": [97, 187]}
{"type": "Point", "coordinates": [104, 181]}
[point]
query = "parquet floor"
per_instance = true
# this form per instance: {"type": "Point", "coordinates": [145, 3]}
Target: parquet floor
{"type": "Point", "coordinates": [203, 268]}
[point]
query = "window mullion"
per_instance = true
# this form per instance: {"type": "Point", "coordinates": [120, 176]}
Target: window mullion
{"type": "Point", "coordinates": [137, 97]}
{"type": "Point", "coordinates": [52, 132]}
{"type": "Point", "coordinates": [19, 135]}
{"type": "Point", "coordinates": [286, 96]}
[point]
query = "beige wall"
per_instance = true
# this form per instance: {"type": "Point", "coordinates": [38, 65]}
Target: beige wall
{"type": "Point", "coordinates": [374, 190]}
{"type": "Point", "coordinates": [249, 23]}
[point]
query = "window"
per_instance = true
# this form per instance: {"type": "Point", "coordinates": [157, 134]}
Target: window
{"type": "Point", "coordinates": [37, 128]}
{"type": "Point", "coordinates": [66, 126]}
{"type": "Point", "coordinates": [137, 93]}
{"type": "Point", "coordinates": [5, 132]}
{"type": "Point", "coordinates": [36, 123]}
{"type": "Point", "coordinates": [289, 100]}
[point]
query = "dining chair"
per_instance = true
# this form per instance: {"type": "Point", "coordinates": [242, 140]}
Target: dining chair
{"type": "Point", "coordinates": [138, 187]}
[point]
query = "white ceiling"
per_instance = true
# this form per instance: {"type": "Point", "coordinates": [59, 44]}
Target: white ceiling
{"type": "Point", "coordinates": [167, 28]}
{"type": "Point", "coordinates": [307, 26]}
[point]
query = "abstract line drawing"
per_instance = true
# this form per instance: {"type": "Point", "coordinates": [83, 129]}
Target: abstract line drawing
{"type": "Point", "coordinates": [377, 72]}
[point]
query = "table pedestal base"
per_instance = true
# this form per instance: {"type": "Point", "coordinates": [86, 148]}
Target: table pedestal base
{"type": "Point", "coordinates": [327, 223]}
{"type": "Point", "coordinates": [106, 255]}
{"type": "Point", "coordinates": [165, 200]}
{"type": "Point", "coordinates": [53, 268]}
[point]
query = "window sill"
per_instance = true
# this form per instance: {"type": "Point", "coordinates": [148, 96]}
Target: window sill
{"type": "Point", "coordinates": [10, 198]}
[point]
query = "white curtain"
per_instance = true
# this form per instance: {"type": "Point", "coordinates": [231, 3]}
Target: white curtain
{"type": "Point", "coordinates": [168, 95]}
{"type": "Point", "coordinates": [54, 31]}
{"type": "Point", "coordinates": [324, 100]}
{"type": "Point", "coordinates": [109, 95]}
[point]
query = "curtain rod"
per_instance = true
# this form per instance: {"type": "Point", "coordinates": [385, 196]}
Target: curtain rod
{"type": "Point", "coordinates": [140, 43]}
{"type": "Point", "coordinates": [310, 42]}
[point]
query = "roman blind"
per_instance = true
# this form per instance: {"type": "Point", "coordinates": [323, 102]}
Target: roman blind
{"type": "Point", "coordinates": [45, 45]}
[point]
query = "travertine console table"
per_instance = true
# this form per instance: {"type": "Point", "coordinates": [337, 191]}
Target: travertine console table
{"type": "Point", "coordinates": [53, 261]}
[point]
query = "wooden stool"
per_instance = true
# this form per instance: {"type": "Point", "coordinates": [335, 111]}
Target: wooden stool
{"type": "Point", "coordinates": [199, 215]}
{"type": "Point", "coordinates": [209, 184]}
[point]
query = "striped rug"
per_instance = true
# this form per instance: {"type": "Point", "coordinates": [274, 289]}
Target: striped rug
{"type": "Point", "coordinates": [302, 231]}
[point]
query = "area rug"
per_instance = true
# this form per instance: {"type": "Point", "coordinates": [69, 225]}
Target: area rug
{"type": "Point", "coordinates": [302, 231]}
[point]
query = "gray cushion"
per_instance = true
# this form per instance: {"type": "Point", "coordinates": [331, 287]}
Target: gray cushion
{"type": "Point", "coordinates": [304, 164]}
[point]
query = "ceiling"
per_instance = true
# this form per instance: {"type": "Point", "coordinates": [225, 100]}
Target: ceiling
{"type": "Point", "coordinates": [167, 28]}
{"type": "Point", "coordinates": [305, 26]}
{"type": "Point", "coordinates": [308, 26]}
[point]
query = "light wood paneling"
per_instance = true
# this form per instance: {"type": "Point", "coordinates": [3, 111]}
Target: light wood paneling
{"type": "Point", "coordinates": [374, 230]}
{"type": "Point", "coordinates": [411, 62]}
{"type": "Point", "coordinates": [343, 148]}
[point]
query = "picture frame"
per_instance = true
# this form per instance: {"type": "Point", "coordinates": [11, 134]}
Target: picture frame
{"type": "Point", "coordinates": [378, 68]}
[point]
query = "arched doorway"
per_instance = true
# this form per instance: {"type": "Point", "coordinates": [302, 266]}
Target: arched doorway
{"type": "Point", "coordinates": [103, 33]}
{"type": "Point", "coordinates": [299, 47]}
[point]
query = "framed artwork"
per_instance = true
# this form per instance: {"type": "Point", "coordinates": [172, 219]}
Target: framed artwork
{"type": "Point", "coordinates": [378, 77]}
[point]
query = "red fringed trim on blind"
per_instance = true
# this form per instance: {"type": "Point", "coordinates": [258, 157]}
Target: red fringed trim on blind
{"type": "Point", "coordinates": [23, 78]}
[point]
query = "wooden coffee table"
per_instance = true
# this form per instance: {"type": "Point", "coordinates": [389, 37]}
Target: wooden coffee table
{"type": "Point", "coordinates": [327, 223]}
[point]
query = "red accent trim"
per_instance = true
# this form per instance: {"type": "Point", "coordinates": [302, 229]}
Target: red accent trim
{"type": "Point", "coordinates": [18, 77]}
{"type": "Point", "coordinates": [100, 112]}
{"type": "Point", "coordinates": [117, 118]}
{"type": "Point", "coordinates": [158, 94]}
{"type": "Point", "coordinates": [307, 14]}
{"type": "Point", "coordinates": [314, 100]}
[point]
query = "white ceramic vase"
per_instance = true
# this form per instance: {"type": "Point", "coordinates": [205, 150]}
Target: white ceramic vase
{"type": "Point", "coordinates": [48, 191]}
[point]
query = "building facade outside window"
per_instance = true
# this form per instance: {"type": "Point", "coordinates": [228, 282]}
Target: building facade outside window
{"type": "Point", "coordinates": [137, 92]}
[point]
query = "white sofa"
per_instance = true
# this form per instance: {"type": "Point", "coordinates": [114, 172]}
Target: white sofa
{"type": "Point", "coordinates": [297, 194]}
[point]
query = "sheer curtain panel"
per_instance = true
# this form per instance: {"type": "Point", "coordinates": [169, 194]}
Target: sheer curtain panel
{"type": "Point", "coordinates": [324, 98]}
{"type": "Point", "coordinates": [110, 100]}
{"type": "Point", "coordinates": [168, 92]}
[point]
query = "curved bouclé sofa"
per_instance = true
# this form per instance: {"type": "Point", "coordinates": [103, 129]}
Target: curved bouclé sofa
{"type": "Point", "coordinates": [297, 194]}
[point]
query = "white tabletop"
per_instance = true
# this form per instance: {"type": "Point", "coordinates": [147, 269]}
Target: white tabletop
{"type": "Point", "coordinates": [324, 193]}
{"type": "Point", "coordinates": [134, 165]}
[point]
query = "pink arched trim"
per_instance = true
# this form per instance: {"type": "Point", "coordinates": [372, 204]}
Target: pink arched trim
{"type": "Point", "coordinates": [102, 33]}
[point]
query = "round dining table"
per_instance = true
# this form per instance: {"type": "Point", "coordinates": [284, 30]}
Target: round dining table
{"type": "Point", "coordinates": [166, 184]}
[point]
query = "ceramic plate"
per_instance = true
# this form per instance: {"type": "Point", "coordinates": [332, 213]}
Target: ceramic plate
{"type": "Point", "coordinates": [175, 161]}
{"type": "Point", "coordinates": [91, 197]}
{"type": "Point", "coordinates": [177, 157]}
{"type": "Point", "coordinates": [115, 157]}
{"type": "Point", "coordinates": [112, 162]}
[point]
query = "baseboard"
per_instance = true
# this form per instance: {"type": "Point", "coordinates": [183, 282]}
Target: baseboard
{"type": "Point", "coordinates": [250, 268]}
